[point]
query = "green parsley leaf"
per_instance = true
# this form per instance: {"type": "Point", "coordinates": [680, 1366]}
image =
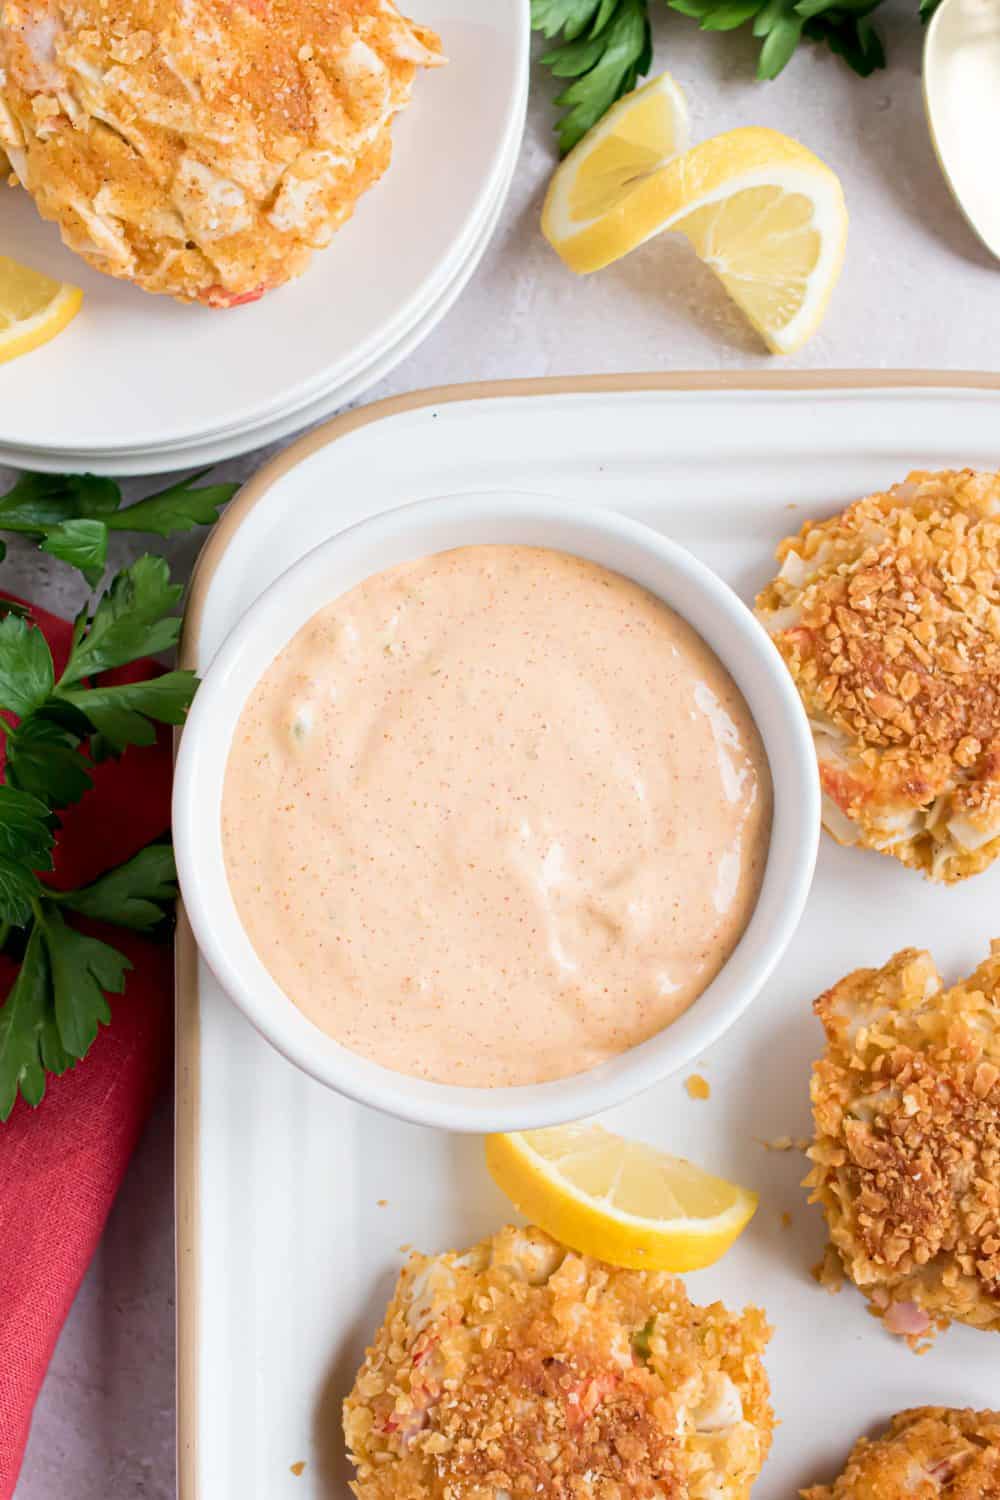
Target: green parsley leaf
{"type": "Point", "coordinates": [574, 58]}
{"type": "Point", "coordinates": [25, 829]}
{"type": "Point", "coordinates": [22, 1022]}
{"type": "Point", "coordinates": [26, 672]}
{"type": "Point", "coordinates": [84, 544]}
{"type": "Point", "coordinates": [728, 16]}
{"type": "Point", "coordinates": [126, 714]}
{"type": "Point", "coordinates": [68, 718]}
{"type": "Point", "coordinates": [54, 1055]}
{"type": "Point", "coordinates": [57, 1002]}
{"type": "Point", "coordinates": [19, 890]}
{"type": "Point", "coordinates": [25, 846]}
{"type": "Point", "coordinates": [852, 37]}
{"type": "Point", "coordinates": [131, 620]}
{"type": "Point", "coordinates": [39, 501]}
{"type": "Point", "coordinates": [82, 969]}
{"type": "Point", "coordinates": [178, 508]}
{"type": "Point", "coordinates": [781, 38]}
{"type": "Point", "coordinates": [571, 17]}
{"type": "Point", "coordinates": [606, 47]}
{"type": "Point", "coordinates": [135, 895]}
{"type": "Point", "coordinates": [69, 515]}
{"type": "Point", "coordinates": [841, 25]}
{"type": "Point", "coordinates": [641, 1338]}
{"type": "Point", "coordinates": [45, 759]}
{"type": "Point", "coordinates": [54, 1007]}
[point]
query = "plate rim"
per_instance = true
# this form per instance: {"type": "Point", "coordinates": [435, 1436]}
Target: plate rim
{"type": "Point", "coordinates": [186, 1011]}
{"type": "Point", "coordinates": [120, 464]}
{"type": "Point", "coordinates": [435, 282]}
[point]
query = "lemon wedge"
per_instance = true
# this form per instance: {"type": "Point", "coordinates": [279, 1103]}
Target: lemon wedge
{"type": "Point", "coordinates": [33, 308]}
{"type": "Point", "coordinates": [621, 1201]}
{"type": "Point", "coordinates": [636, 136]}
{"type": "Point", "coordinates": [761, 210]}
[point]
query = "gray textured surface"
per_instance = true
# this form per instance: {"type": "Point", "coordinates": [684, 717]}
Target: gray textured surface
{"type": "Point", "coordinates": [917, 291]}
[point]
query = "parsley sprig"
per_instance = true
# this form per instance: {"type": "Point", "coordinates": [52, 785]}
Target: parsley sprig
{"type": "Point", "coordinates": [842, 25]}
{"type": "Point", "coordinates": [71, 516]}
{"type": "Point", "coordinates": [604, 46]}
{"type": "Point", "coordinates": [58, 1000]}
{"type": "Point", "coordinates": [62, 717]}
{"type": "Point", "coordinates": [62, 724]}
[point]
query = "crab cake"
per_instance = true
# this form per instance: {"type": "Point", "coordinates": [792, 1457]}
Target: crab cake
{"type": "Point", "coordinates": [906, 1160]}
{"type": "Point", "coordinates": [522, 1369]}
{"type": "Point", "coordinates": [888, 618]}
{"type": "Point", "coordinates": [202, 148]}
{"type": "Point", "coordinates": [929, 1453]}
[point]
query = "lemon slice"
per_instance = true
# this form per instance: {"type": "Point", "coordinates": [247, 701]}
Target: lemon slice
{"type": "Point", "coordinates": [621, 1201]}
{"type": "Point", "coordinates": [33, 308]}
{"type": "Point", "coordinates": [763, 212]}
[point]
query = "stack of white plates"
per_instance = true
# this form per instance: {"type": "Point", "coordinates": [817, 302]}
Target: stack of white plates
{"type": "Point", "coordinates": [141, 384]}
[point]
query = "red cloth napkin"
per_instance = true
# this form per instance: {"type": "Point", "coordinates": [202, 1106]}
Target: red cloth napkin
{"type": "Point", "coordinates": [61, 1164]}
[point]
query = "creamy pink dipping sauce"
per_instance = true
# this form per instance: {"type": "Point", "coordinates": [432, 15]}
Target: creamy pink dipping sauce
{"type": "Point", "coordinates": [495, 816]}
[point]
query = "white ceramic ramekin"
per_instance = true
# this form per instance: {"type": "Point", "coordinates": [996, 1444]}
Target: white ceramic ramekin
{"type": "Point", "coordinates": [415, 531]}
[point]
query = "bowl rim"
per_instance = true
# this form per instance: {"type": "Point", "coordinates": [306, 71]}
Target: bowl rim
{"type": "Point", "coordinates": [418, 529]}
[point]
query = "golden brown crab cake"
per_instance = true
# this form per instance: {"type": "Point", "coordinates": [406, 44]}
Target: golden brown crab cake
{"type": "Point", "coordinates": [928, 1453]}
{"type": "Point", "coordinates": [202, 148]}
{"type": "Point", "coordinates": [888, 618]}
{"type": "Point", "coordinates": [906, 1158]}
{"type": "Point", "coordinates": [520, 1369]}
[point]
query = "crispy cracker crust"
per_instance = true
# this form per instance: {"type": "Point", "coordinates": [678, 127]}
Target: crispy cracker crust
{"type": "Point", "coordinates": [906, 1158]}
{"type": "Point", "coordinates": [202, 148]}
{"type": "Point", "coordinates": [927, 1453]}
{"type": "Point", "coordinates": [534, 1388]}
{"type": "Point", "coordinates": [888, 618]}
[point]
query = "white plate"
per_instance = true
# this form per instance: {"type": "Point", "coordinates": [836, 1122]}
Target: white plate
{"type": "Point", "coordinates": [142, 371]}
{"type": "Point", "coordinates": [286, 1257]}
{"type": "Point", "coordinates": [226, 445]}
{"type": "Point", "coordinates": [358, 376]}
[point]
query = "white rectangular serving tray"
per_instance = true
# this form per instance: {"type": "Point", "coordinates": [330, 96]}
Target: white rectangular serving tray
{"type": "Point", "coordinates": [294, 1205]}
